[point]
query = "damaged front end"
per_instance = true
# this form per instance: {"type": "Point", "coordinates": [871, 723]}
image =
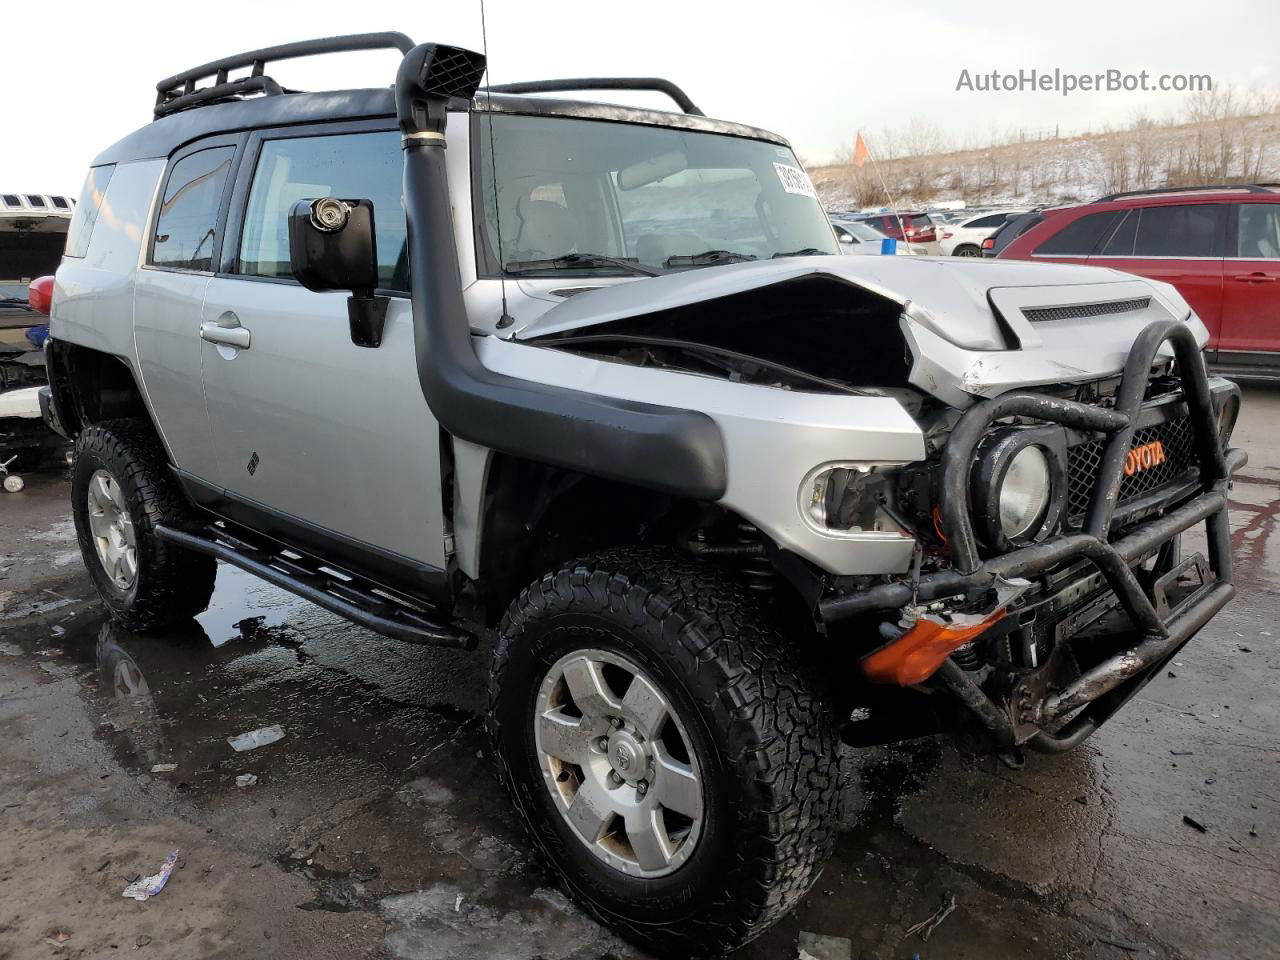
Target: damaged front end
{"type": "Point", "coordinates": [1044, 634]}
{"type": "Point", "coordinates": [1039, 612]}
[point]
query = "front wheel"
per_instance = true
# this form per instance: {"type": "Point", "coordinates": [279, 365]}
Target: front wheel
{"type": "Point", "coordinates": [665, 749]}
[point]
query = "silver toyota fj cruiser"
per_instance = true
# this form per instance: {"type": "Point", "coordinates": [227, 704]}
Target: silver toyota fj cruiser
{"type": "Point", "coordinates": [440, 358]}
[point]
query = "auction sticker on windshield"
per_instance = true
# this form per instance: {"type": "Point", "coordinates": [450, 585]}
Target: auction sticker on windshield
{"type": "Point", "coordinates": [794, 180]}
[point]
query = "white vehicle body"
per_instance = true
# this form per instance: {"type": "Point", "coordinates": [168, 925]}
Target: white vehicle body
{"type": "Point", "coordinates": [964, 237]}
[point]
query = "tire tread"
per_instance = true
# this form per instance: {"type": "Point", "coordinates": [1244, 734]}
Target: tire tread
{"type": "Point", "coordinates": [174, 584]}
{"type": "Point", "coordinates": [781, 741]}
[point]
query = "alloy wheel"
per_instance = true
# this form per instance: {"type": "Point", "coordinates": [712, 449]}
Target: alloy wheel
{"type": "Point", "coordinates": [618, 762]}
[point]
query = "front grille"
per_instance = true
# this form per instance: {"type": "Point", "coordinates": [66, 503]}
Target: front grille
{"type": "Point", "coordinates": [1083, 460]}
{"type": "Point", "coordinates": [1079, 311]}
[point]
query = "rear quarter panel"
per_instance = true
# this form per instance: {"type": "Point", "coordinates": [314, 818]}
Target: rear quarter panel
{"type": "Point", "coordinates": [93, 294]}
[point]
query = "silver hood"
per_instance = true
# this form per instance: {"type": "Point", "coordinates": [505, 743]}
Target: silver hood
{"type": "Point", "coordinates": [966, 321]}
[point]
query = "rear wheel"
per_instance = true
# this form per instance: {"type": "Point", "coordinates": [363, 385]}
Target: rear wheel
{"type": "Point", "coordinates": [966, 250]}
{"type": "Point", "coordinates": [665, 749]}
{"type": "Point", "coordinates": [121, 488]}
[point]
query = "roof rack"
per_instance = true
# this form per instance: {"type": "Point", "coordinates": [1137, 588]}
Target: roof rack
{"type": "Point", "coordinates": [654, 84]}
{"type": "Point", "coordinates": [179, 92]}
{"type": "Point", "coordinates": [1155, 191]}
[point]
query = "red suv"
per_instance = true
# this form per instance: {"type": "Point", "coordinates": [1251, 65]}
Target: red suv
{"type": "Point", "coordinates": [1220, 246]}
{"type": "Point", "coordinates": [919, 228]}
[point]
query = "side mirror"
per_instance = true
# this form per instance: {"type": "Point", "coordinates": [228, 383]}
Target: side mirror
{"type": "Point", "coordinates": [847, 238]}
{"type": "Point", "coordinates": [332, 246]}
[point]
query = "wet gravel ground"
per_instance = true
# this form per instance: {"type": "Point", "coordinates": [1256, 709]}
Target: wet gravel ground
{"type": "Point", "coordinates": [377, 829]}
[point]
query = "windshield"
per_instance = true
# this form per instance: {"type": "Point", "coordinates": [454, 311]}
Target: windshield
{"type": "Point", "coordinates": [650, 194]}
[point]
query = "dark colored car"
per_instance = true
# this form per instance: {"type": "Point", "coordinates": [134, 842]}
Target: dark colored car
{"type": "Point", "coordinates": [1220, 246]}
{"type": "Point", "coordinates": [919, 228]}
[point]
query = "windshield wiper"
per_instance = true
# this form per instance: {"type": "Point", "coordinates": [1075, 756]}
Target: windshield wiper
{"type": "Point", "coordinates": [707, 258]}
{"type": "Point", "coordinates": [806, 252]}
{"type": "Point", "coordinates": [581, 261]}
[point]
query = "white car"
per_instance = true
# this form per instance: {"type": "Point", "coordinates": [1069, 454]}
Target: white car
{"type": "Point", "coordinates": [861, 240]}
{"type": "Point", "coordinates": [964, 239]}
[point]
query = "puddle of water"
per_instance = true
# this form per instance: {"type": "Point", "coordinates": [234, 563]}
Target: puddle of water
{"type": "Point", "coordinates": [244, 607]}
{"type": "Point", "coordinates": [258, 656]}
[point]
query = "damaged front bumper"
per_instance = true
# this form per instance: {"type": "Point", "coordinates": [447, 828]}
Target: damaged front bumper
{"type": "Point", "coordinates": [1062, 700]}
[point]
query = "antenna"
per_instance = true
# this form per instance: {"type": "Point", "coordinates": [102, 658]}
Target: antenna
{"type": "Point", "coordinates": [505, 320]}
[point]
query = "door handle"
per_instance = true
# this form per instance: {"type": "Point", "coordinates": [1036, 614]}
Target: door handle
{"type": "Point", "coordinates": [1258, 277]}
{"type": "Point", "coordinates": [229, 333]}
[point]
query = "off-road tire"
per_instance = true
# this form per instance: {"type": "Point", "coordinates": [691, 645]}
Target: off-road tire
{"type": "Point", "coordinates": [764, 738]}
{"type": "Point", "coordinates": [172, 584]}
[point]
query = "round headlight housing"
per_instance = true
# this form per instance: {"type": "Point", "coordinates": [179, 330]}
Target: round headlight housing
{"type": "Point", "coordinates": [1019, 485]}
{"type": "Point", "coordinates": [1025, 493]}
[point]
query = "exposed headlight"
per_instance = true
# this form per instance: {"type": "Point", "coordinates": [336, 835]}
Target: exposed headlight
{"type": "Point", "coordinates": [1019, 485]}
{"type": "Point", "coordinates": [1025, 492]}
{"type": "Point", "coordinates": [838, 498]}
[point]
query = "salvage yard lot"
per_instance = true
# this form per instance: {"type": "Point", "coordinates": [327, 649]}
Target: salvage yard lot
{"type": "Point", "coordinates": [376, 827]}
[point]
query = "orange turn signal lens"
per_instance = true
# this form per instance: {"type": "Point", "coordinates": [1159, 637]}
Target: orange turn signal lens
{"type": "Point", "coordinates": [916, 655]}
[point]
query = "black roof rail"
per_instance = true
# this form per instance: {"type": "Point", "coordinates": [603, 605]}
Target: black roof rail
{"type": "Point", "coordinates": [654, 84]}
{"type": "Point", "coordinates": [180, 92]}
{"type": "Point", "coordinates": [1156, 191]}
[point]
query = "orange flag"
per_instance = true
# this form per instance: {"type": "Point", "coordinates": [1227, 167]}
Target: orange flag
{"type": "Point", "coordinates": [860, 151]}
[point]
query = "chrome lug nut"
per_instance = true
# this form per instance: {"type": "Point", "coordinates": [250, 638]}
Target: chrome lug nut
{"type": "Point", "coordinates": [603, 744]}
{"type": "Point", "coordinates": [642, 787]}
{"type": "Point", "coordinates": [614, 778]}
{"type": "Point", "coordinates": [615, 722]}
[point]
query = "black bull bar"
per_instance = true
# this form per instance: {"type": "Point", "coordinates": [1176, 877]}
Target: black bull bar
{"type": "Point", "coordinates": [1157, 637]}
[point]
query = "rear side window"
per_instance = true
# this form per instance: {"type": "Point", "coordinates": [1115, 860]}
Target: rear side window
{"type": "Point", "coordinates": [1258, 236]}
{"type": "Point", "coordinates": [188, 220]}
{"type": "Point", "coordinates": [920, 221]}
{"type": "Point", "coordinates": [1184, 230]}
{"type": "Point", "coordinates": [1080, 237]}
{"type": "Point", "coordinates": [994, 220]}
{"type": "Point", "coordinates": [1120, 243]}
{"type": "Point", "coordinates": [351, 166]}
{"type": "Point", "coordinates": [87, 209]}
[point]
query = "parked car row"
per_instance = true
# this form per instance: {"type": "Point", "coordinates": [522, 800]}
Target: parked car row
{"type": "Point", "coordinates": [955, 232]}
{"type": "Point", "coordinates": [859, 238]}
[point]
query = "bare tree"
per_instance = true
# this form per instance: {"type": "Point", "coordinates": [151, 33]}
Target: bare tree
{"type": "Point", "coordinates": [1219, 136]}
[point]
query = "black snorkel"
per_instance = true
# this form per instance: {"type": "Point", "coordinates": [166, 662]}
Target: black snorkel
{"type": "Point", "coordinates": [662, 448]}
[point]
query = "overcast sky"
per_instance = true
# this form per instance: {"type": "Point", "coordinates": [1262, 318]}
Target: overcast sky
{"type": "Point", "coordinates": [76, 77]}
